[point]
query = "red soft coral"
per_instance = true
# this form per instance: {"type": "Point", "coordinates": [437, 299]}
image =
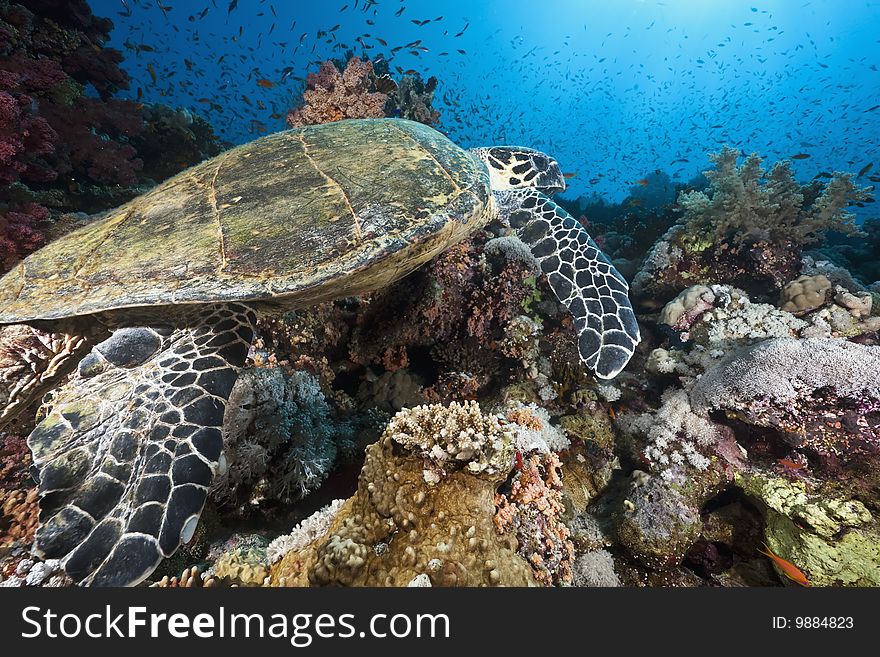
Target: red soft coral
{"type": "Point", "coordinates": [20, 232]}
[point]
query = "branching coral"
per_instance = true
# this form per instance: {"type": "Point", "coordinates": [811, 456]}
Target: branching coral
{"type": "Point", "coordinates": [281, 439]}
{"type": "Point", "coordinates": [413, 99]}
{"type": "Point", "coordinates": [745, 203]}
{"type": "Point", "coordinates": [451, 437]}
{"type": "Point", "coordinates": [676, 435]}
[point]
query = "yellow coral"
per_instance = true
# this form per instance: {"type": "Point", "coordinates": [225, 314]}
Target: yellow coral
{"type": "Point", "coordinates": [424, 506]}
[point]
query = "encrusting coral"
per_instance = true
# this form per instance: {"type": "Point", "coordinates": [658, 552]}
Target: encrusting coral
{"type": "Point", "coordinates": [835, 541]}
{"type": "Point", "coordinates": [531, 510]}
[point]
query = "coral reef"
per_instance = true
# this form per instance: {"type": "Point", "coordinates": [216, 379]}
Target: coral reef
{"type": "Point", "coordinates": [424, 506]}
{"type": "Point", "coordinates": [245, 565]}
{"type": "Point", "coordinates": [821, 395]}
{"type": "Point", "coordinates": [413, 99]}
{"type": "Point", "coordinates": [532, 511]}
{"type": "Point", "coordinates": [595, 568]}
{"type": "Point", "coordinates": [750, 414]}
{"type": "Point", "coordinates": [333, 95]}
{"type": "Point", "coordinates": [190, 578]}
{"type": "Point", "coordinates": [307, 531]}
{"type": "Point", "coordinates": [18, 496]}
{"type": "Point", "coordinates": [748, 229]}
{"type": "Point", "coordinates": [66, 144]}
{"type": "Point", "coordinates": [675, 434]}
{"type": "Point", "coordinates": [836, 542]}
{"type": "Point", "coordinates": [805, 293]}
{"type": "Point", "coordinates": [281, 439]}
{"type": "Point", "coordinates": [356, 89]}
{"type": "Point", "coordinates": [653, 522]}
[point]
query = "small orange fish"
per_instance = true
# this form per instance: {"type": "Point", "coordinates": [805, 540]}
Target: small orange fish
{"type": "Point", "coordinates": [568, 176]}
{"type": "Point", "coordinates": [643, 182]}
{"type": "Point", "coordinates": [612, 413]}
{"type": "Point", "coordinates": [788, 463]}
{"type": "Point", "coordinates": [800, 156]}
{"type": "Point", "coordinates": [788, 569]}
{"type": "Point", "coordinates": [152, 72]}
{"type": "Point", "coordinates": [266, 84]}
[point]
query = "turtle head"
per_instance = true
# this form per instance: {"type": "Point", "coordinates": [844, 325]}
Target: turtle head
{"type": "Point", "coordinates": [516, 167]}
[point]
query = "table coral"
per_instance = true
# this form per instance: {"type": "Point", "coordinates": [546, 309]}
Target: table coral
{"type": "Point", "coordinates": [424, 505]}
{"type": "Point", "coordinates": [822, 394]}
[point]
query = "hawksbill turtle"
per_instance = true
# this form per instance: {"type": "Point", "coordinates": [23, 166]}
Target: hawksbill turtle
{"type": "Point", "coordinates": [158, 301]}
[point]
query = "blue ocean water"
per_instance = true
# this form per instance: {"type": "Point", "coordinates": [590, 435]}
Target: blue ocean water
{"type": "Point", "coordinates": [615, 90]}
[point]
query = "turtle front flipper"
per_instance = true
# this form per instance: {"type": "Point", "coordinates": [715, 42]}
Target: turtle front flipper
{"type": "Point", "coordinates": [580, 275]}
{"type": "Point", "coordinates": [125, 457]}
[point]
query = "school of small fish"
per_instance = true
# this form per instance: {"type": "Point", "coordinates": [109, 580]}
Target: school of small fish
{"type": "Point", "coordinates": [611, 105]}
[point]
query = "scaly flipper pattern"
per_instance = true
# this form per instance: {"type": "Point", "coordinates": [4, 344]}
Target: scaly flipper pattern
{"type": "Point", "coordinates": [580, 275]}
{"type": "Point", "coordinates": [125, 458]}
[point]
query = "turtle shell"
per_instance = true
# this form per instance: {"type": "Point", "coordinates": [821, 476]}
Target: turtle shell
{"type": "Point", "coordinates": [302, 215]}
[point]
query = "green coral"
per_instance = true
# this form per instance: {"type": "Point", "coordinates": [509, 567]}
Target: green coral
{"type": "Point", "coordinates": [835, 541]}
{"type": "Point", "coordinates": [245, 565]}
{"type": "Point", "coordinates": [748, 203]}
{"type": "Point", "coordinates": [534, 294]}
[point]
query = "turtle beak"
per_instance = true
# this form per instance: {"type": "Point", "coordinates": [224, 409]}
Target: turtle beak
{"type": "Point", "coordinates": [551, 180]}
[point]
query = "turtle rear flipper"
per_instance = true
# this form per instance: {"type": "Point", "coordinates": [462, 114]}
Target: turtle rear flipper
{"type": "Point", "coordinates": [580, 275]}
{"type": "Point", "coordinates": [125, 458]}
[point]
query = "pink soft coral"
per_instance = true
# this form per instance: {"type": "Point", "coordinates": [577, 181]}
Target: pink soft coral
{"type": "Point", "coordinates": [333, 96]}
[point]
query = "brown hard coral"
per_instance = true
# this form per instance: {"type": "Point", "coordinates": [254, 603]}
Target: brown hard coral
{"type": "Point", "coordinates": [424, 506]}
{"type": "Point", "coordinates": [804, 294]}
{"type": "Point", "coordinates": [19, 515]}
